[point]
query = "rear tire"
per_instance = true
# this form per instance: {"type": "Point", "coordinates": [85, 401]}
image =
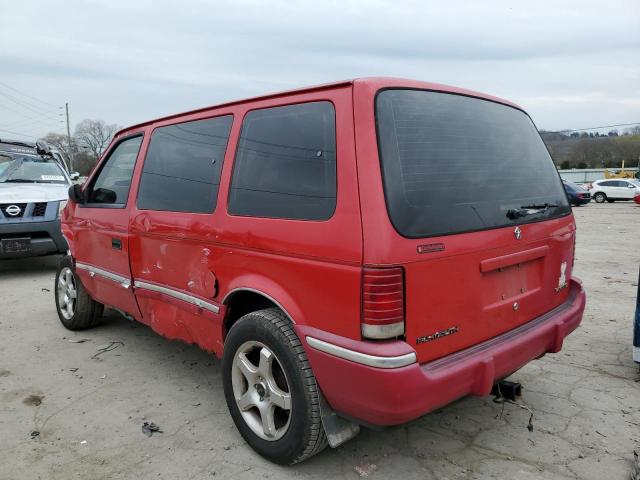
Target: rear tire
{"type": "Point", "coordinates": [76, 309]}
{"type": "Point", "coordinates": [270, 388]}
{"type": "Point", "coordinates": [600, 197]}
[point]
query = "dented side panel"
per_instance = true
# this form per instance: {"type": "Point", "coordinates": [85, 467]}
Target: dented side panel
{"type": "Point", "coordinates": [310, 268]}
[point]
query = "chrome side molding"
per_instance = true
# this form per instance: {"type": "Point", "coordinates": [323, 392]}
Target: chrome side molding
{"type": "Point", "coordinates": [93, 271]}
{"type": "Point", "coordinates": [362, 358]}
{"type": "Point", "coordinates": [185, 297]}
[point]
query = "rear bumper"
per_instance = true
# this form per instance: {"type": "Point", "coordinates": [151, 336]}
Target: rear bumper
{"type": "Point", "coordinates": [46, 237]}
{"type": "Point", "coordinates": [386, 394]}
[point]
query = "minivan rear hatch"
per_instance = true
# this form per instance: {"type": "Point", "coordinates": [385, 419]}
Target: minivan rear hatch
{"type": "Point", "coordinates": [484, 230]}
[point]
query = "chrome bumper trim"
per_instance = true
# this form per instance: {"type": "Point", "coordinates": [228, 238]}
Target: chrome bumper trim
{"type": "Point", "coordinates": [93, 271]}
{"type": "Point", "coordinates": [177, 294]}
{"type": "Point", "coordinates": [362, 358]}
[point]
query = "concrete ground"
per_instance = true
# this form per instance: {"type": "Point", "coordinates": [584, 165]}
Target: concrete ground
{"type": "Point", "coordinates": [89, 412]}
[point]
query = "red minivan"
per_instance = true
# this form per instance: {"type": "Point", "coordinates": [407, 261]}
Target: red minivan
{"type": "Point", "coordinates": [358, 253]}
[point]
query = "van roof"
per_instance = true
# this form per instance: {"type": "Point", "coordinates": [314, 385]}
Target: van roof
{"type": "Point", "coordinates": [371, 82]}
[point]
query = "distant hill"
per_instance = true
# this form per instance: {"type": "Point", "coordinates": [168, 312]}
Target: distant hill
{"type": "Point", "coordinates": [593, 150]}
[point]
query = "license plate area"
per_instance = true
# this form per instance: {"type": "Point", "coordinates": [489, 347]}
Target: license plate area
{"type": "Point", "coordinates": [510, 283]}
{"type": "Point", "coordinates": [15, 245]}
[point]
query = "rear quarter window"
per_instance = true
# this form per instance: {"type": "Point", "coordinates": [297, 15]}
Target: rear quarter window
{"type": "Point", "coordinates": [285, 165]}
{"type": "Point", "coordinates": [453, 164]}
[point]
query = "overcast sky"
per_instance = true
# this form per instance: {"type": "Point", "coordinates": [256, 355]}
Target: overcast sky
{"type": "Point", "coordinates": [569, 64]}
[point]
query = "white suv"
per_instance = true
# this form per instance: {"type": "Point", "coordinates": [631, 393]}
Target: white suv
{"type": "Point", "coordinates": [612, 190]}
{"type": "Point", "coordinates": [33, 191]}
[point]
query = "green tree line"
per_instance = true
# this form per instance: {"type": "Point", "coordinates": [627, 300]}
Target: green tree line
{"type": "Point", "coordinates": [594, 150]}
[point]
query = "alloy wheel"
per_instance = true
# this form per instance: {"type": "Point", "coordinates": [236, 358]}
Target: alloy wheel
{"type": "Point", "coordinates": [261, 390]}
{"type": "Point", "coordinates": [67, 293]}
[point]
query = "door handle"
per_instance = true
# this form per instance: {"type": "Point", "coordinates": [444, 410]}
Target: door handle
{"type": "Point", "coordinates": [116, 244]}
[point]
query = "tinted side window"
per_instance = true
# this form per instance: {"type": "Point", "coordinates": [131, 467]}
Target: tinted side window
{"type": "Point", "coordinates": [182, 170]}
{"type": "Point", "coordinates": [607, 184]}
{"type": "Point", "coordinates": [285, 166]}
{"type": "Point", "coordinates": [113, 181]}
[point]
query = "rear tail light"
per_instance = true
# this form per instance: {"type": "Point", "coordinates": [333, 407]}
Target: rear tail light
{"type": "Point", "coordinates": [382, 302]}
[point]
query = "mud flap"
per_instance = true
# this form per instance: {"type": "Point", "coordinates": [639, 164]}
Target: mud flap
{"type": "Point", "coordinates": [337, 429]}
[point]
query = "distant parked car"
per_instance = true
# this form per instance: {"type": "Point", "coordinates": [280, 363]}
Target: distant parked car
{"type": "Point", "coordinates": [612, 190]}
{"type": "Point", "coordinates": [577, 194]}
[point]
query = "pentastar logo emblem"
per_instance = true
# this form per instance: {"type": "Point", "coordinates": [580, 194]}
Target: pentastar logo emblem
{"type": "Point", "coordinates": [13, 210]}
{"type": "Point", "coordinates": [518, 233]}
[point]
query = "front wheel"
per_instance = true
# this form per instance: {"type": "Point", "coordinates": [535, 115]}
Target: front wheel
{"type": "Point", "coordinates": [600, 197]}
{"type": "Point", "coordinates": [270, 388]}
{"type": "Point", "coordinates": [76, 309]}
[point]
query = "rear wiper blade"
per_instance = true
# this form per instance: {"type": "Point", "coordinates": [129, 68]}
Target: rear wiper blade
{"type": "Point", "coordinates": [529, 210]}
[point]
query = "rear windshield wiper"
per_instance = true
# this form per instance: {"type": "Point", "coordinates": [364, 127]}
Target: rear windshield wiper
{"type": "Point", "coordinates": [529, 210]}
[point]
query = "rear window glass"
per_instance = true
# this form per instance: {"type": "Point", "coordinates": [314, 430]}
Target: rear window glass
{"type": "Point", "coordinates": [182, 169]}
{"type": "Point", "coordinates": [285, 165]}
{"type": "Point", "coordinates": [455, 164]}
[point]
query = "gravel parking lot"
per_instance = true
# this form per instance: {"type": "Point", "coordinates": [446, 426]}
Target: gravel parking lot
{"type": "Point", "coordinates": [89, 409]}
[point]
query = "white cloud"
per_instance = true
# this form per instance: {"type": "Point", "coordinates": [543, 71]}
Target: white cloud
{"type": "Point", "coordinates": [570, 64]}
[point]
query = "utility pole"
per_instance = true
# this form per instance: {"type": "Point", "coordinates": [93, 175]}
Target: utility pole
{"type": "Point", "coordinates": [66, 106]}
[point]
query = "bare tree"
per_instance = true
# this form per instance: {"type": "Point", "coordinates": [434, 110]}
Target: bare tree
{"type": "Point", "coordinates": [60, 141]}
{"type": "Point", "coordinates": [94, 135]}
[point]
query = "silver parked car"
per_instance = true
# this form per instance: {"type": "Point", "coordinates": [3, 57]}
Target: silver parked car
{"type": "Point", "coordinates": [33, 191]}
{"type": "Point", "coordinates": [612, 190]}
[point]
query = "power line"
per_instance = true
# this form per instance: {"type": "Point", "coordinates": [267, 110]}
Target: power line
{"type": "Point", "coordinates": [28, 105]}
{"type": "Point", "coordinates": [33, 126]}
{"type": "Point", "coordinates": [29, 119]}
{"type": "Point", "coordinates": [29, 96]}
{"type": "Point", "coordinates": [26, 122]}
{"type": "Point", "coordinates": [30, 115]}
{"type": "Point", "coordinates": [19, 134]}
